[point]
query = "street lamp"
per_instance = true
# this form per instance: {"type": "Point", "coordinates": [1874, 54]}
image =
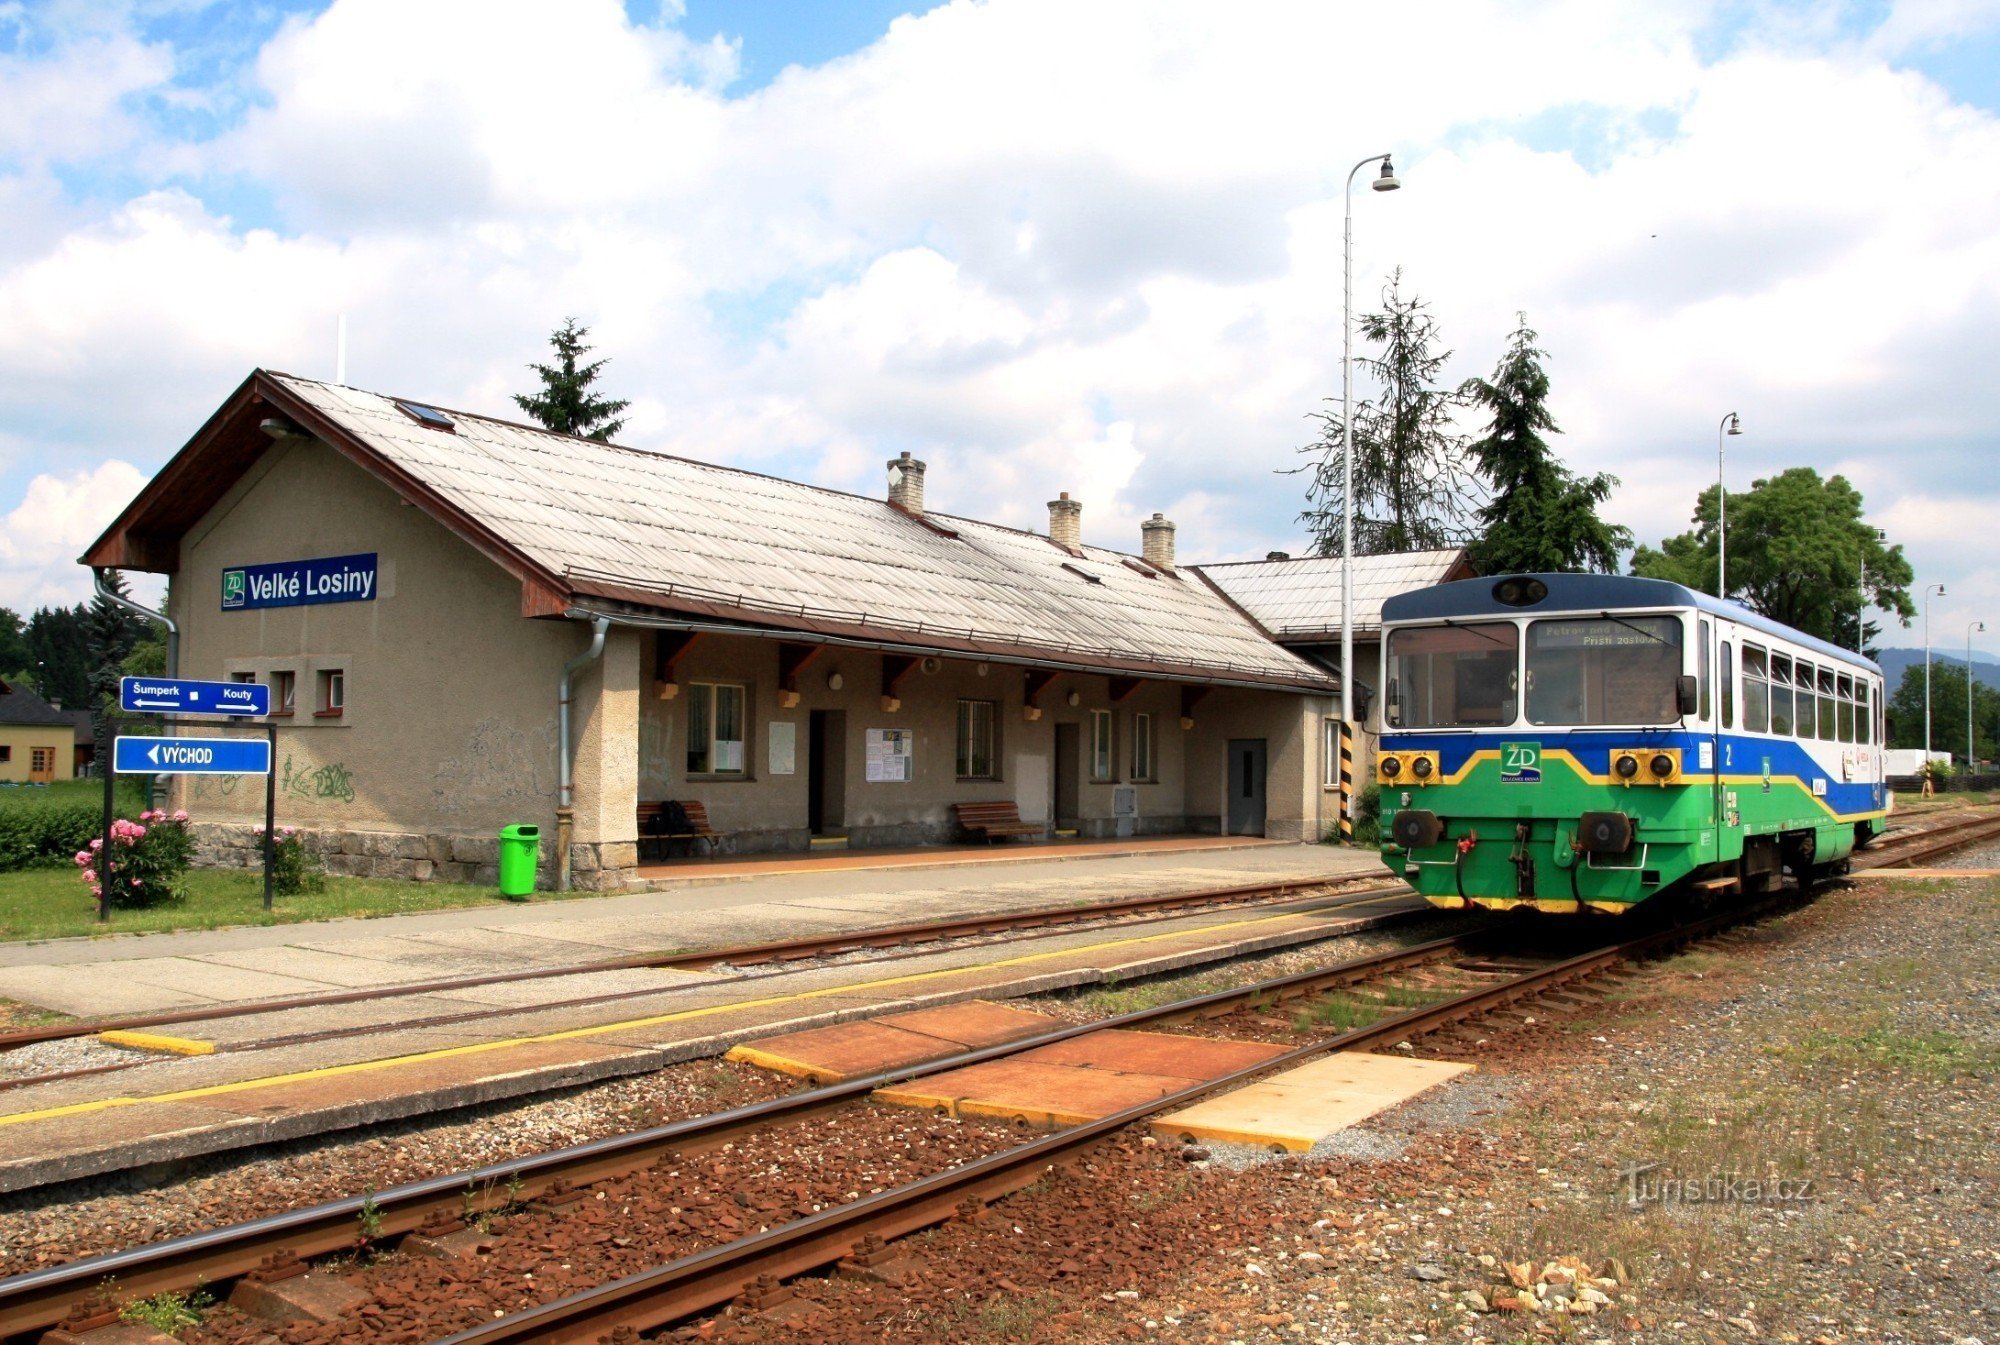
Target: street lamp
{"type": "Point", "coordinates": [1939, 590]}
{"type": "Point", "coordinates": [1730, 425]}
{"type": "Point", "coordinates": [1384, 181]}
{"type": "Point", "coordinates": [1969, 758]}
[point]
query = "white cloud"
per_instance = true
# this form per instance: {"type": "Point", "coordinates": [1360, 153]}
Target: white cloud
{"type": "Point", "coordinates": [60, 515]}
{"type": "Point", "coordinates": [1052, 246]}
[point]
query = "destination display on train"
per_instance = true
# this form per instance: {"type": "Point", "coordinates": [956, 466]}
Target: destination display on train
{"type": "Point", "coordinates": [1599, 633]}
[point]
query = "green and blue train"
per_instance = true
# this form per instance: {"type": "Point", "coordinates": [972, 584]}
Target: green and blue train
{"type": "Point", "coordinates": [1571, 743]}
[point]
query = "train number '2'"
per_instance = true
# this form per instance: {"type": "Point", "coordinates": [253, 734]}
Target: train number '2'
{"type": "Point", "coordinates": [1520, 763]}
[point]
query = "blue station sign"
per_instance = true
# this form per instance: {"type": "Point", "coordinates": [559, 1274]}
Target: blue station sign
{"type": "Point", "coordinates": [299, 583]}
{"type": "Point", "coordinates": [191, 756]}
{"type": "Point", "coordinates": [184, 696]}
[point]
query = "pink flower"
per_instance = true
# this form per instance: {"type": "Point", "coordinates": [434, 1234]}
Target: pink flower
{"type": "Point", "coordinates": [288, 831]}
{"type": "Point", "coordinates": [181, 815]}
{"type": "Point", "coordinates": [135, 882]}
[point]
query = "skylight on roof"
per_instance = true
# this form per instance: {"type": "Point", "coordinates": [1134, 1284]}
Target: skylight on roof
{"type": "Point", "coordinates": [427, 416]}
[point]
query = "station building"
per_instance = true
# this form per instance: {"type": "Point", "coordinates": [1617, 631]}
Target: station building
{"type": "Point", "coordinates": [467, 622]}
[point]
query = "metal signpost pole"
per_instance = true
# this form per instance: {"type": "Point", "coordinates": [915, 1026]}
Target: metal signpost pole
{"type": "Point", "coordinates": [270, 813]}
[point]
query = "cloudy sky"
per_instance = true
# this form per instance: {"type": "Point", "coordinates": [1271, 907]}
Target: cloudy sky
{"type": "Point", "coordinates": [1083, 245]}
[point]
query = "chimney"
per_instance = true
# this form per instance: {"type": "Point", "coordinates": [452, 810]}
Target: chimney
{"type": "Point", "coordinates": [1277, 555]}
{"type": "Point", "coordinates": [1066, 522]}
{"type": "Point", "coordinates": [1158, 542]}
{"type": "Point", "coordinates": [906, 485]}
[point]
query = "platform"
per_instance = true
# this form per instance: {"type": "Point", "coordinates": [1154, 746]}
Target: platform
{"type": "Point", "coordinates": [844, 1051]}
{"type": "Point", "coordinates": [265, 1080]}
{"type": "Point", "coordinates": [1297, 1109]}
{"type": "Point", "coordinates": [662, 875]}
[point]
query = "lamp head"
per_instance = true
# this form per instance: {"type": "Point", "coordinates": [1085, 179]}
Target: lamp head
{"type": "Point", "coordinates": [1386, 179]}
{"type": "Point", "coordinates": [1735, 425]}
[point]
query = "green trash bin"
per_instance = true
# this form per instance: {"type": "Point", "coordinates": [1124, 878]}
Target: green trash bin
{"type": "Point", "coordinates": [520, 851]}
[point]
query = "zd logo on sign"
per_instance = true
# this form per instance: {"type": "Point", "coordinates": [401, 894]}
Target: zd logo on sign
{"type": "Point", "coordinates": [1520, 763]}
{"type": "Point", "coordinates": [232, 588]}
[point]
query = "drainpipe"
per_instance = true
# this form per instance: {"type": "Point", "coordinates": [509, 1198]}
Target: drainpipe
{"type": "Point", "coordinates": [566, 798]}
{"type": "Point", "coordinates": [104, 590]}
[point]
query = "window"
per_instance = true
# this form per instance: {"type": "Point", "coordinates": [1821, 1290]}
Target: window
{"type": "Point", "coordinates": [1329, 754]}
{"type": "Point", "coordinates": [332, 694]}
{"type": "Point", "coordinates": [1604, 670]}
{"type": "Point", "coordinates": [6, 752]}
{"type": "Point", "coordinates": [1781, 694]}
{"type": "Point", "coordinates": [284, 693]}
{"type": "Point", "coordinates": [715, 728]}
{"type": "Point", "coordinates": [1803, 717]}
{"type": "Point", "coordinates": [243, 677]}
{"type": "Point", "coordinates": [1453, 676]}
{"type": "Point", "coordinates": [1142, 746]}
{"type": "Point", "coordinates": [1846, 693]}
{"type": "Point", "coordinates": [1701, 660]}
{"type": "Point", "coordinates": [1103, 763]}
{"type": "Point", "coordinates": [975, 740]}
{"type": "Point", "coordinates": [1756, 690]}
{"type": "Point", "coordinates": [1827, 713]}
{"type": "Point", "coordinates": [1728, 688]}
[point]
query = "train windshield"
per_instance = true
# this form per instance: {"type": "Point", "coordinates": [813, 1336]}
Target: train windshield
{"type": "Point", "coordinates": [1604, 670]}
{"type": "Point", "coordinates": [1443, 677]}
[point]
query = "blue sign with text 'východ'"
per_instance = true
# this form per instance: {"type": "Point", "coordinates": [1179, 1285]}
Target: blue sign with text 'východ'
{"type": "Point", "coordinates": [183, 696]}
{"type": "Point", "coordinates": [191, 756]}
{"type": "Point", "coordinates": [299, 583]}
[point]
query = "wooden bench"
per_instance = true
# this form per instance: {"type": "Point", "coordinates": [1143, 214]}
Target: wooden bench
{"type": "Point", "coordinates": [1001, 818]}
{"type": "Point", "coordinates": [655, 825]}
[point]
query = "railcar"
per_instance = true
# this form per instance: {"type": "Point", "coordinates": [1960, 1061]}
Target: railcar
{"type": "Point", "coordinates": [1583, 743]}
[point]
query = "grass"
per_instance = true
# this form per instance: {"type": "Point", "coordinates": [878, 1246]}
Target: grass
{"type": "Point", "coordinates": [54, 903]}
{"type": "Point", "coordinates": [168, 1312]}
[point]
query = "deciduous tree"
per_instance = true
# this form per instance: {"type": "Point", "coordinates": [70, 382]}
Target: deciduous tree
{"type": "Point", "coordinates": [1798, 552]}
{"type": "Point", "coordinates": [566, 403]}
{"type": "Point", "coordinates": [1948, 683]}
{"type": "Point", "coordinates": [1541, 516]}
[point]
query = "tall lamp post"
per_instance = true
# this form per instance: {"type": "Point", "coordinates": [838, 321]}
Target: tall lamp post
{"type": "Point", "coordinates": [1384, 181]}
{"type": "Point", "coordinates": [1969, 685]}
{"type": "Point", "coordinates": [1730, 425]}
{"type": "Point", "coordinates": [1939, 590]}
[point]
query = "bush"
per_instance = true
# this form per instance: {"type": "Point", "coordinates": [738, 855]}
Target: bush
{"type": "Point", "coordinates": [293, 870]}
{"type": "Point", "coordinates": [1368, 815]}
{"type": "Point", "coordinates": [42, 828]}
{"type": "Point", "coordinates": [149, 858]}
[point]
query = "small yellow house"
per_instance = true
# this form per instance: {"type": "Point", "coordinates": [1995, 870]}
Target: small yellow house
{"type": "Point", "coordinates": [37, 741]}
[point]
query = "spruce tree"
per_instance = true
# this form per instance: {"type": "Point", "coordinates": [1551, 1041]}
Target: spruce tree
{"type": "Point", "coordinates": [566, 404]}
{"type": "Point", "coordinates": [1541, 517]}
{"type": "Point", "coordinates": [1412, 489]}
{"type": "Point", "coordinates": [111, 632]}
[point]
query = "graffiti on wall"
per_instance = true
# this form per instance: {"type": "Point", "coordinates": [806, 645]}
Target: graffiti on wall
{"type": "Point", "coordinates": [333, 782]}
{"type": "Point", "coordinates": [502, 764]}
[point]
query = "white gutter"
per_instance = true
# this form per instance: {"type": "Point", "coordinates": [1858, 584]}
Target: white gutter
{"type": "Point", "coordinates": [600, 626]}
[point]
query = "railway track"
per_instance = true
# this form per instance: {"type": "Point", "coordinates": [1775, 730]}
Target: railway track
{"type": "Point", "coordinates": [743, 955]}
{"type": "Point", "coordinates": [719, 1273]}
{"type": "Point", "coordinates": [1918, 846]}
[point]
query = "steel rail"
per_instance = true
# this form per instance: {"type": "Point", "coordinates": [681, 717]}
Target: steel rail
{"type": "Point", "coordinates": [782, 950]}
{"type": "Point", "coordinates": [1930, 843]}
{"type": "Point", "coordinates": [39, 1299]}
{"type": "Point", "coordinates": [716, 1275]}
{"type": "Point", "coordinates": [1304, 906]}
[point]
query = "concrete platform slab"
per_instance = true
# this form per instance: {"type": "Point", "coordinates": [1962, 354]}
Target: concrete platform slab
{"type": "Point", "coordinates": [850, 1050]}
{"type": "Point", "coordinates": [92, 991]}
{"type": "Point", "coordinates": [1166, 1053]}
{"type": "Point", "coordinates": [1032, 1093]}
{"type": "Point", "coordinates": [1297, 1109]}
{"type": "Point", "coordinates": [344, 970]}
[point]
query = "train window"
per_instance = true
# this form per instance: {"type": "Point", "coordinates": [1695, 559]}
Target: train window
{"type": "Point", "coordinates": [1875, 720]}
{"type": "Point", "coordinates": [1827, 712]}
{"type": "Point", "coordinates": [1846, 693]}
{"type": "Point", "coordinates": [1727, 679]}
{"type": "Point", "coordinates": [1701, 659]}
{"type": "Point", "coordinates": [1756, 691]}
{"type": "Point", "coordinates": [1781, 694]}
{"type": "Point", "coordinates": [1461, 676]}
{"type": "Point", "coordinates": [1802, 715]}
{"type": "Point", "coordinates": [1604, 670]}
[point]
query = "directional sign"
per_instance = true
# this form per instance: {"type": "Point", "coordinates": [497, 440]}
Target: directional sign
{"type": "Point", "coordinates": [191, 756]}
{"type": "Point", "coordinates": [182, 696]}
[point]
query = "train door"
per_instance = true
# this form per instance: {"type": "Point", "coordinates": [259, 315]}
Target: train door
{"type": "Point", "coordinates": [1725, 721]}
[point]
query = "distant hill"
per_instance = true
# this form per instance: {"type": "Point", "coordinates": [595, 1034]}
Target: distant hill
{"type": "Point", "coordinates": [1894, 661]}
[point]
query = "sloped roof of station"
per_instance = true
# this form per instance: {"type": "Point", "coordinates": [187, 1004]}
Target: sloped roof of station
{"type": "Point", "coordinates": [590, 524]}
{"type": "Point", "coordinates": [1298, 599]}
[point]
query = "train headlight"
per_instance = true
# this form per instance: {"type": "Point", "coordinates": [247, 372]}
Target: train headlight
{"type": "Point", "coordinates": [1392, 767]}
{"type": "Point", "coordinates": [1422, 768]}
{"type": "Point", "coordinates": [1625, 766]}
{"type": "Point", "coordinates": [1661, 765]}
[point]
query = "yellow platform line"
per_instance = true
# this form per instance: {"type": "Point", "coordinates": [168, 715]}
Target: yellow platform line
{"type": "Point", "coordinates": [147, 1041]}
{"type": "Point", "coordinates": [604, 1029]}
